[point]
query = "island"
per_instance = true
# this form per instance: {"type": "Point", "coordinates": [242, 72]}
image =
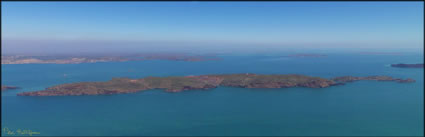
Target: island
{"type": "Point", "coordinates": [201, 82]}
{"type": "Point", "coordinates": [38, 59]}
{"type": "Point", "coordinates": [77, 59]}
{"type": "Point", "coordinates": [4, 87]}
{"type": "Point", "coordinates": [408, 65]}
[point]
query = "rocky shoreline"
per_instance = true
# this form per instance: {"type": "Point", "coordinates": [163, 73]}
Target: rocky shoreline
{"type": "Point", "coordinates": [203, 82]}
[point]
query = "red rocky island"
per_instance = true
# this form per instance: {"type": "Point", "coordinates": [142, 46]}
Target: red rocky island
{"type": "Point", "coordinates": [178, 84]}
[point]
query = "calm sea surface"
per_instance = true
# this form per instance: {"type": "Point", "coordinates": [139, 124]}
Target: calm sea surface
{"type": "Point", "coordinates": [360, 108]}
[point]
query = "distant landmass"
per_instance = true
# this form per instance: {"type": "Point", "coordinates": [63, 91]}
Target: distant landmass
{"type": "Point", "coordinates": [182, 83]}
{"type": "Point", "coordinates": [381, 53]}
{"type": "Point", "coordinates": [4, 87]}
{"type": "Point", "coordinates": [306, 55]}
{"type": "Point", "coordinates": [408, 65]}
{"type": "Point", "coordinates": [50, 59]}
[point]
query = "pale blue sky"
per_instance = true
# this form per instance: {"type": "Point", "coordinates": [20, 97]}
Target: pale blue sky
{"type": "Point", "coordinates": [134, 26]}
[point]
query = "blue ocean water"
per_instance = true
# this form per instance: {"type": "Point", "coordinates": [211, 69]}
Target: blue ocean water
{"type": "Point", "coordinates": [368, 108]}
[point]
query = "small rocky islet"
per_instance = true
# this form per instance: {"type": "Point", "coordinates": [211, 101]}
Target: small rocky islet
{"type": "Point", "coordinates": [201, 82]}
{"type": "Point", "coordinates": [5, 87]}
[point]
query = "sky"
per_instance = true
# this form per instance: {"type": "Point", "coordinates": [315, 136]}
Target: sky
{"type": "Point", "coordinates": [60, 27]}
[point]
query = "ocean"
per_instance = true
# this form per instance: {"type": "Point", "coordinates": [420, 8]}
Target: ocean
{"type": "Point", "coordinates": [364, 108]}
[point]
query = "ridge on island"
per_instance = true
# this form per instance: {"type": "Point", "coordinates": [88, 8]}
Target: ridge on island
{"type": "Point", "coordinates": [408, 65]}
{"type": "Point", "coordinates": [182, 83]}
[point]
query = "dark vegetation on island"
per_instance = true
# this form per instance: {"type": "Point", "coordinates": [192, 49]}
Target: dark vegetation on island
{"type": "Point", "coordinates": [408, 65]}
{"type": "Point", "coordinates": [4, 87]}
{"type": "Point", "coordinates": [201, 82]}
